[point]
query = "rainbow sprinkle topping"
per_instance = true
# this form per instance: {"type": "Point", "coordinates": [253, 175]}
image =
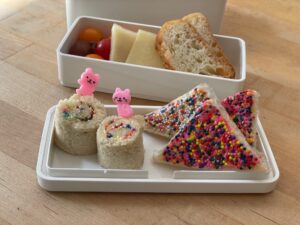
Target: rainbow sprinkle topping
{"type": "Point", "coordinates": [81, 111]}
{"type": "Point", "coordinates": [207, 141]}
{"type": "Point", "coordinates": [119, 128]}
{"type": "Point", "coordinates": [242, 110]}
{"type": "Point", "coordinates": [168, 119]}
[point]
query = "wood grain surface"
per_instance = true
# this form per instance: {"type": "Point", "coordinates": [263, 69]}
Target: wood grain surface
{"type": "Point", "coordinates": [29, 86]}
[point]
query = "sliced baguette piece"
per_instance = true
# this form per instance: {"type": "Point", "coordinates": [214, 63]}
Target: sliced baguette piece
{"type": "Point", "coordinates": [200, 23]}
{"type": "Point", "coordinates": [183, 49]}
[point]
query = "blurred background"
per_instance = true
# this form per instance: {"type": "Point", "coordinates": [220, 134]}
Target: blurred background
{"type": "Point", "coordinates": [8, 7]}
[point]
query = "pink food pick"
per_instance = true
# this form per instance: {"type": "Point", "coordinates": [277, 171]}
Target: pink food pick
{"type": "Point", "coordinates": [122, 100]}
{"type": "Point", "coordinates": [88, 82]}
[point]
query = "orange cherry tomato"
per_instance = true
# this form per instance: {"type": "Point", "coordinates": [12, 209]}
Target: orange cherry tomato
{"type": "Point", "coordinates": [91, 34]}
{"type": "Point", "coordinates": [95, 56]}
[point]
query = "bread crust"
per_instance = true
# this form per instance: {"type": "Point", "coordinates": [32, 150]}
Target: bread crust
{"type": "Point", "coordinates": [160, 49]}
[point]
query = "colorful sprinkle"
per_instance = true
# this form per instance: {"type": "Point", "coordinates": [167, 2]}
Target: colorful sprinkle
{"type": "Point", "coordinates": [81, 111]}
{"type": "Point", "coordinates": [169, 118]}
{"type": "Point", "coordinates": [119, 128]}
{"type": "Point", "coordinates": [242, 110]}
{"type": "Point", "coordinates": [207, 141]}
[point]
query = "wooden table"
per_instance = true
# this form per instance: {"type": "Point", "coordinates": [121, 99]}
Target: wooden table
{"type": "Point", "coordinates": [29, 86]}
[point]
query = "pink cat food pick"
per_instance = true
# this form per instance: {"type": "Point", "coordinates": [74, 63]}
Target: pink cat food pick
{"type": "Point", "coordinates": [122, 100]}
{"type": "Point", "coordinates": [88, 82]}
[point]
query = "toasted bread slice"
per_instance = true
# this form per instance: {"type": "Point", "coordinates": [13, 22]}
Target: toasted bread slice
{"type": "Point", "coordinates": [183, 49]}
{"type": "Point", "coordinates": [200, 23]}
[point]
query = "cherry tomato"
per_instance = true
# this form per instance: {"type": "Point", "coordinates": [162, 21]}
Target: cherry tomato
{"type": "Point", "coordinates": [103, 48]}
{"type": "Point", "coordinates": [95, 56]}
{"type": "Point", "coordinates": [91, 34]}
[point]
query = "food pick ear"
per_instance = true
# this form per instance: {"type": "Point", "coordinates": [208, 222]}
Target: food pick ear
{"type": "Point", "coordinates": [89, 70]}
{"type": "Point", "coordinates": [118, 89]}
{"type": "Point", "coordinates": [97, 77]}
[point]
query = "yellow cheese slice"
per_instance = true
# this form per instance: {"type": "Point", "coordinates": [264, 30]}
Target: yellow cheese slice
{"type": "Point", "coordinates": [143, 51]}
{"type": "Point", "coordinates": [121, 42]}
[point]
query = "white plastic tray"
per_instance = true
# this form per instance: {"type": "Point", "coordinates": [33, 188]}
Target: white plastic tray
{"type": "Point", "coordinates": [59, 171]}
{"type": "Point", "coordinates": [143, 81]}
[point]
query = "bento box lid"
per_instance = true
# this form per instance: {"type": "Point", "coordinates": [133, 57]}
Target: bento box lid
{"type": "Point", "coordinates": [154, 12]}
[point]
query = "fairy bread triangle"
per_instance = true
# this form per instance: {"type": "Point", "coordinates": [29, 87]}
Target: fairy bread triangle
{"type": "Point", "coordinates": [167, 120]}
{"type": "Point", "coordinates": [242, 109]}
{"type": "Point", "coordinates": [210, 140]}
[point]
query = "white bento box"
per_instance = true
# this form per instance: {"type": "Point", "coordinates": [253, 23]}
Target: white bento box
{"type": "Point", "coordinates": [60, 171]}
{"type": "Point", "coordinates": [144, 11]}
{"type": "Point", "coordinates": [145, 82]}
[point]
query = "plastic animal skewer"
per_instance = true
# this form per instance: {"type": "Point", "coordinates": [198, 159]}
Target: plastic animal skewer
{"type": "Point", "coordinates": [122, 99]}
{"type": "Point", "coordinates": [88, 82]}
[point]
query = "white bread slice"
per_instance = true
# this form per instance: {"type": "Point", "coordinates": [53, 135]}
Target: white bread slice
{"type": "Point", "coordinates": [183, 49]}
{"type": "Point", "coordinates": [200, 23]}
{"type": "Point", "coordinates": [167, 120]}
{"type": "Point", "coordinates": [75, 130]}
{"type": "Point", "coordinates": [242, 108]}
{"type": "Point", "coordinates": [210, 140]}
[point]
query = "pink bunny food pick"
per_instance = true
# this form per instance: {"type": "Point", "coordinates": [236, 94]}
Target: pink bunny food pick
{"type": "Point", "coordinates": [88, 82]}
{"type": "Point", "coordinates": [122, 100]}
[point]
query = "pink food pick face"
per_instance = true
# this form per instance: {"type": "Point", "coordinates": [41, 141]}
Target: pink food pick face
{"type": "Point", "coordinates": [122, 99]}
{"type": "Point", "coordinates": [88, 82]}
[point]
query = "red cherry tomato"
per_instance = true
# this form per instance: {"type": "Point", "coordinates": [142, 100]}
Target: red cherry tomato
{"type": "Point", "coordinates": [103, 48]}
